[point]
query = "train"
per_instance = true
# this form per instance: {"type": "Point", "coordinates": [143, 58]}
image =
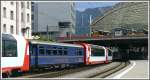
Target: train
{"type": "Point", "coordinates": [22, 55]}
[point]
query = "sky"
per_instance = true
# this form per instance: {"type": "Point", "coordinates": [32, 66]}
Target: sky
{"type": "Point", "coordinates": [81, 6]}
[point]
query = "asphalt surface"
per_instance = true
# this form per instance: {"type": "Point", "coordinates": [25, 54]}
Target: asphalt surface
{"type": "Point", "coordinates": [138, 69]}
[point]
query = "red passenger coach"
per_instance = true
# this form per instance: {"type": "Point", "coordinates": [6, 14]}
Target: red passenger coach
{"type": "Point", "coordinates": [94, 54]}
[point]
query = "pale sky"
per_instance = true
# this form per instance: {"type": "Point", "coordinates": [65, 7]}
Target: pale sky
{"type": "Point", "coordinates": [81, 6]}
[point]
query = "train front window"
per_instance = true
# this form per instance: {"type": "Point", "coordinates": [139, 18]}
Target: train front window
{"type": "Point", "coordinates": [9, 46]}
{"type": "Point", "coordinates": [97, 52]}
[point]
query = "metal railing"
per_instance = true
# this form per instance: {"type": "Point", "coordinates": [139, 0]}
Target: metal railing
{"type": "Point", "coordinates": [84, 37]}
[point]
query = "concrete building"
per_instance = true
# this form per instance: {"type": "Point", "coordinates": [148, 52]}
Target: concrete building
{"type": "Point", "coordinates": [16, 17]}
{"type": "Point", "coordinates": [54, 19]}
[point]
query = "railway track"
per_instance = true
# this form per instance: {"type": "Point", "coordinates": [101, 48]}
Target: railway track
{"type": "Point", "coordinates": [109, 71]}
{"type": "Point", "coordinates": [93, 71]}
{"type": "Point", "coordinates": [97, 72]}
{"type": "Point", "coordinates": [56, 72]}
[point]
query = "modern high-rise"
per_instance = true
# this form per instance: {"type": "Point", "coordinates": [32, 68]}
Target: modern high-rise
{"type": "Point", "coordinates": [56, 19]}
{"type": "Point", "coordinates": [16, 17]}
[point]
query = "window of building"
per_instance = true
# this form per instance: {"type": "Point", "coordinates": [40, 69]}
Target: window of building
{"type": "Point", "coordinates": [32, 3]}
{"type": "Point", "coordinates": [22, 4]}
{"type": "Point", "coordinates": [32, 17]}
{"type": "Point", "coordinates": [64, 24]}
{"type": "Point", "coordinates": [4, 11]}
{"type": "Point", "coordinates": [4, 27]}
{"type": "Point", "coordinates": [32, 8]}
{"type": "Point", "coordinates": [22, 17]}
{"type": "Point", "coordinates": [32, 25]}
{"type": "Point", "coordinates": [11, 15]}
{"type": "Point", "coordinates": [12, 29]}
{"type": "Point", "coordinates": [28, 18]}
{"type": "Point", "coordinates": [12, 3]}
{"type": "Point", "coordinates": [27, 29]}
{"type": "Point", "coordinates": [28, 5]}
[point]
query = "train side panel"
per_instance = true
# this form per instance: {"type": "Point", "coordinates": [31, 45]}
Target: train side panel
{"type": "Point", "coordinates": [109, 55]}
{"type": "Point", "coordinates": [97, 55]}
{"type": "Point", "coordinates": [15, 53]}
{"type": "Point", "coordinates": [48, 54]}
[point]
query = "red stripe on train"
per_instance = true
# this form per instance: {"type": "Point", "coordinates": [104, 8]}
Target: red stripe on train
{"type": "Point", "coordinates": [84, 46]}
{"type": "Point", "coordinates": [26, 59]}
{"type": "Point", "coordinates": [96, 62]}
{"type": "Point", "coordinates": [9, 69]}
{"type": "Point", "coordinates": [106, 56]}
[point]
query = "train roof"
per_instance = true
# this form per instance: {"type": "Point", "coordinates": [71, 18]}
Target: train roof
{"type": "Point", "coordinates": [12, 37]}
{"type": "Point", "coordinates": [55, 43]}
{"type": "Point", "coordinates": [96, 45]}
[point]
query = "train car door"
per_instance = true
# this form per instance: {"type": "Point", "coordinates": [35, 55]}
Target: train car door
{"type": "Point", "coordinates": [33, 55]}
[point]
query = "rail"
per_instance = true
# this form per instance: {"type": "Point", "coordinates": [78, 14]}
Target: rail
{"type": "Point", "coordinates": [109, 71]}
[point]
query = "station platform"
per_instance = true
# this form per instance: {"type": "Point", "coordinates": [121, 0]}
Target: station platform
{"type": "Point", "coordinates": [138, 69]}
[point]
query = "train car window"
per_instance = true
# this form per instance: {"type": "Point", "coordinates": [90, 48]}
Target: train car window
{"type": "Point", "coordinates": [80, 52]}
{"type": "Point", "coordinates": [54, 47]}
{"type": "Point", "coordinates": [76, 53]}
{"type": "Point", "coordinates": [97, 52]}
{"type": "Point", "coordinates": [3, 49]}
{"type": "Point", "coordinates": [41, 51]}
{"type": "Point", "coordinates": [48, 52]}
{"type": "Point", "coordinates": [109, 53]}
{"type": "Point", "coordinates": [60, 52]}
{"type": "Point", "coordinates": [9, 46]}
{"type": "Point", "coordinates": [54, 52]}
{"type": "Point", "coordinates": [65, 52]}
{"type": "Point", "coordinates": [41, 47]}
{"type": "Point", "coordinates": [34, 49]}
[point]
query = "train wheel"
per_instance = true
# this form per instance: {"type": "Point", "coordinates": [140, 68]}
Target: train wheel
{"type": "Point", "coordinates": [106, 62]}
{"type": "Point", "coordinates": [16, 73]}
{"type": "Point", "coordinates": [63, 66]}
{"type": "Point", "coordinates": [6, 75]}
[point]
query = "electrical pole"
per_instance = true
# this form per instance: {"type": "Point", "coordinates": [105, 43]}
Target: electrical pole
{"type": "Point", "coordinates": [82, 19]}
{"type": "Point", "coordinates": [90, 24]}
{"type": "Point", "coordinates": [47, 33]}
